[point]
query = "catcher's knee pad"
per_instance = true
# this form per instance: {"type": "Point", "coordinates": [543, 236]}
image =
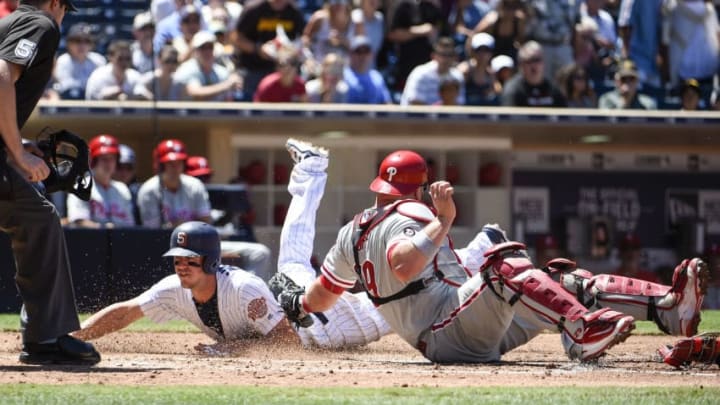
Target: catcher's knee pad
{"type": "Point", "coordinates": [507, 260]}
{"type": "Point", "coordinates": [535, 289]}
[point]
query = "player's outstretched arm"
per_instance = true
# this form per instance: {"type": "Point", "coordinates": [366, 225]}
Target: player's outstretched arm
{"type": "Point", "coordinates": [109, 319]}
{"type": "Point", "coordinates": [319, 297]}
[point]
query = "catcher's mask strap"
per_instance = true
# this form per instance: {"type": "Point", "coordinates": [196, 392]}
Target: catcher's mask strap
{"type": "Point", "coordinates": [77, 179]}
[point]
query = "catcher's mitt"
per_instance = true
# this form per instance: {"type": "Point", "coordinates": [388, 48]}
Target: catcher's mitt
{"type": "Point", "coordinates": [704, 348]}
{"type": "Point", "coordinates": [289, 297]}
{"type": "Point", "coordinates": [67, 156]}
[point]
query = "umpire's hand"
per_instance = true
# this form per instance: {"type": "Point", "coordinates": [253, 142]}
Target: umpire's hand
{"type": "Point", "coordinates": [33, 167]}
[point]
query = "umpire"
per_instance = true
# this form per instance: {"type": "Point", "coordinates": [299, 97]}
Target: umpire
{"type": "Point", "coordinates": [29, 38]}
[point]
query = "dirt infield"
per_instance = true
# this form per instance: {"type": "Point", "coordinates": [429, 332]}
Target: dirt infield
{"type": "Point", "coordinates": [170, 359]}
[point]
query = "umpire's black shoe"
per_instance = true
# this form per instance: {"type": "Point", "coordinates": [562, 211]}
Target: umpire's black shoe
{"type": "Point", "coordinates": [67, 350]}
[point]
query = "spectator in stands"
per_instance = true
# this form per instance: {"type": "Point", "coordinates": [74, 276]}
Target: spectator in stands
{"type": "Point", "coordinates": [162, 83]}
{"type": "Point", "coordinates": [171, 197]}
{"type": "Point", "coordinates": [630, 254]}
{"type": "Point", "coordinates": [7, 7]}
{"type": "Point", "coordinates": [503, 67]}
{"type": "Point", "coordinates": [110, 202]}
{"type": "Point", "coordinates": [584, 47]}
{"type": "Point", "coordinates": [256, 27]}
{"type": "Point", "coordinates": [507, 25]}
{"type": "Point", "coordinates": [168, 27]}
{"type": "Point", "coordinates": [143, 56]}
{"type": "Point", "coordinates": [116, 80]}
{"type": "Point", "coordinates": [690, 95]}
{"type": "Point", "coordinates": [712, 258]}
{"type": "Point", "coordinates": [328, 30]}
{"type": "Point", "coordinates": [625, 95]}
{"type": "Point", "coordinates": [285, 85]}
{"type": "Point", "coordinates": [199, 167]}
{"type": "Point", "coordinates": [464, 16]}
{"type": "Point", "coordinates": [73, 68]}
{"type": "Point", "coordinates": [365, 84]}
{"type": "Point", "coordinates": [214, 9]}
{"type": "Point", "coordinates": [476, 70]}
{"type": "Point", "coordinates": [329, 86]}
{"type": "Point", "coordinates": [605, 39]}
{"type": "Point", "coordinates": [551, 23]}
{"type": "Point", "coordinates": [414, 28]}
{"type": "Point", "coordinates": [368, 21]}
{"type": "Point", "coordinates": [693, 43]}
{"type": "Point", "coordinates": [224, 51]}
{"type": "Point", "coordinates": [205, 79]}
{"type": "Point", "coordinates": [448, 90]}
{"type": "Point", "coordinates": [422, 85]}
{"type": "Point", "coordinates": [125, 173]}
{"type": "Point", "coordinates": [639, 25]}
{"type": "Point", "coordinates": [531, 88]}
{"type": "Point", "coordinates": [189, 26]}
{"type": "Point", "coordinates": [573, 81]}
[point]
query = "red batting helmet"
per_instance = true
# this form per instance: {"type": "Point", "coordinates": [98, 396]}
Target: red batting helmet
{"type": "Point", "coordinates": [400, 173]}
{"type": "Point", "coordinates": [169, 150]}
{"type": "Point", "coordinates": [103, 145]}
{"type": "Point", "coordinates": [197, 166]}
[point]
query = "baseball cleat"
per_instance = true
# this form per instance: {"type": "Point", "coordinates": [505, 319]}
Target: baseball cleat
{"type": "Point", "coordinates": [690, 283]}
{"type": "Point", "coordinates": [301, 150]}
{"type": "Point", "coordinates": [603, 329]}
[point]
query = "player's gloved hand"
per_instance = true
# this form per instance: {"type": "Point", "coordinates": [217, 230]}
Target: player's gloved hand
{"type": "Point", "coordinates": [704, 348]}
{"type": "Point", "coordinates": [291, 303]}
{"type": "Point", "coordinates": [289, 296]}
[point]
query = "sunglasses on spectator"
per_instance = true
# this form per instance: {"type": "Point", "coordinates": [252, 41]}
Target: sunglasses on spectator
{"type": "Point", "coordinates": [206, 47]}
{"type": "Point", "coordinates": [170, 61]}
{"type": "Point", "coordinates": [534, 60]}
{"type": "Point", "coordinates": [124, 58]}
{"type": "Point", "coordinates": [628, 79]}
{"type": "Point", "coordinates": [80, 40]}
{"type": "Point", "coordinates": [191, 20]}
{"type": "Point", "coordinates": [362, 50]}
{"type": "Point", "coordinates": [446, 54]}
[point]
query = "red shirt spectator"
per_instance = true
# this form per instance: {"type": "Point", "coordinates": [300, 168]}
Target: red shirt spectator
{"type": "Point", "coordinates": [7, 7]}
{"type": "Point", "coordinates": [273, 89]}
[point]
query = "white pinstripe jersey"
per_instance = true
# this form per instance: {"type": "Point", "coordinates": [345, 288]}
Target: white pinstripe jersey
{"type": "Point", "coordinates": [408, 316]}
{"type": "Point", "coordinates": [246, 306]}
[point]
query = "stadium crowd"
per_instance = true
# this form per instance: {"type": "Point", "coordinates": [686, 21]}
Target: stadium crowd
{"type": "Point", "coordinates": [608, 54]}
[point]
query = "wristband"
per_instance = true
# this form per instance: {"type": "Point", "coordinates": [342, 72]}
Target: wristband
{"type": "Point", "coordinates": [424, 244]}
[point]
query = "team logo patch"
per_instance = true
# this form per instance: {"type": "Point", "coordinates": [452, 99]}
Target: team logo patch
{"type": "Point", "coordinates": [257, 308]}
{"type": "Point", "coordinates": [25, 48]}
{"type": "Point", "coordinates": [409, 232]}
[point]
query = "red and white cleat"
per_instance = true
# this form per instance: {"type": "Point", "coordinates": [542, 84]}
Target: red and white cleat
{"type": "Point", "coordinates": [603, 329]}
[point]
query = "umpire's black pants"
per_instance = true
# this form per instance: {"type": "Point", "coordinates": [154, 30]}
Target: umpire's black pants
{"type": "Point", "coordinates": [43, 268]}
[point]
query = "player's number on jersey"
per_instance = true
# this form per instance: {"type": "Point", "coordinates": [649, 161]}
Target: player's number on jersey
{"type": "Point", "coordinates": [368, 273]}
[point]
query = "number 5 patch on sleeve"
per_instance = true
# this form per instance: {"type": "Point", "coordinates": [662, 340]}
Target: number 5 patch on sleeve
{"type": "Point", "coordinates": [25, 49]}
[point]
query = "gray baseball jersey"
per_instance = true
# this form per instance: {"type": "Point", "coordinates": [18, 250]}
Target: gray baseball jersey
{"type": "Point", "coordinates": [159, 205]}
{"type": "Point", "coordinates": [112, 204]}
{"type": "Point", "coordinates": [246, 306]}
{"type": "Point", "coordinates": [412, 315]}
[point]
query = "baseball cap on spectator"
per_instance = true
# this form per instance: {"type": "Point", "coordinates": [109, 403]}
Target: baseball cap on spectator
{"type": "Point", "coordinates": [202, 38]}
{"type": "Point", "coordinates": [127, 155]}
{"type": "Point", "coordinates": [217, 27]}
{"type": "Point", "coordinates": [630, 242]}
{"type": "Point", "coordinates": [197, 166]}
{"type": "Point", "coordinates": [143, 20]}
{"type": "Point", "coordinates": [501, 62]}
{"type": "Point", "coordinates": [187, 11]}
{"type": "Point", "coordinates": [69, 5]}
{"type": "Point", "coordinates": [690, 84]}
{"type": "Point", "coordinates": [627, 68]}
{"type": "Point", "coordinates": [80, 31]}
{"type": "Point", "coordinates": [482, 40]}
{"type": "Point", "coordinates": [359, 41]}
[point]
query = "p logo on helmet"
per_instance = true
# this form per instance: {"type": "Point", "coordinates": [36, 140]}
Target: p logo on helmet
{"type": "Point", "coordinates": [400, 173]}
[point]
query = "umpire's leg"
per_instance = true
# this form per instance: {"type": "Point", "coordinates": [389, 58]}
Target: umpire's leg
{"type": "Point", "coordinates": [43, 269]}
